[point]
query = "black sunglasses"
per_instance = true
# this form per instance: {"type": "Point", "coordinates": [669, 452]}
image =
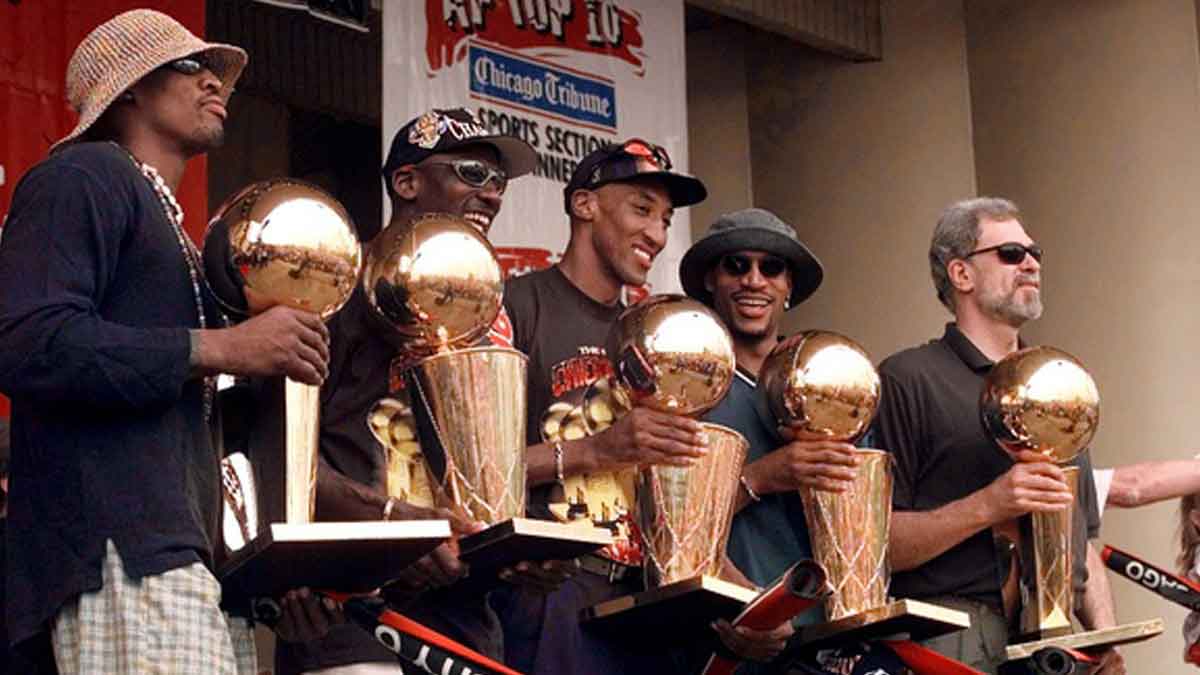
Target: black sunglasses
{"type": "Point", "coordinates": [1011, 253]}
{"type": "Point", "coordinates": [476, 173]}
{"type": "Point", "coordinates": [190, 65]}
{"type": "Point", "coordinates": [739, 265]}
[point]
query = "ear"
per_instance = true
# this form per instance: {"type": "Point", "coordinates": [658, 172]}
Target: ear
{"type": "Point", "coordinates": [584, 204]}
{"type": "Point", "coordinates": [406, 182]}
{"type": "Point", "coordinates": [961, 275]}
{"type": "Point", "coordinates": [710, 280]}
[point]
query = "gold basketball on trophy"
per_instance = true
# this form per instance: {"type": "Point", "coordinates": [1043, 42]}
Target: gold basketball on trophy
{"type": "Point", "coordinates": [1041, 399]}
{"type": "Point", "coordinates": [282, 242]}
{"type": "Point", "coordinates": [822, 385]}
{"type": "Point", "coordinates": [436, 280]}
{"type": "Point", "coordinates": [672, 354]}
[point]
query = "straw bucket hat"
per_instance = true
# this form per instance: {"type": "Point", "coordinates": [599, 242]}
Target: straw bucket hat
{"type": "Point", "coordinates": [126, 48]}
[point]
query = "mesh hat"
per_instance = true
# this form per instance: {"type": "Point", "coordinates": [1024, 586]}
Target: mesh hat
{"type": "Point", "coordinates": [443, 130]}
{"type": "Point", "coordinates": [633, 159]}
{"type": "Point", "coordinates": [126, 48]}
{"type": "Point", "coordinates": [750, 230]}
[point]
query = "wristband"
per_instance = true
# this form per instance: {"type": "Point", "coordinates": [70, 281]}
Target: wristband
{"type": "Point", "coordinates": [746, 486]}
{"type": "Point", "coordinates": [558, 462]}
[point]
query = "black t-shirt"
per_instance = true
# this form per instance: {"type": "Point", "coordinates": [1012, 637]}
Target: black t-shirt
{"type": "Point", "coordinates": [563, 331]}
{"type": "Point", "coordinates": [929, 420]}
{"type": "Point", "coordinates": [109, 439]}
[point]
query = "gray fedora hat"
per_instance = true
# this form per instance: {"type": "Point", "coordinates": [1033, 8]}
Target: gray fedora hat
{"type": "Point", "coordinates": [750, 230]}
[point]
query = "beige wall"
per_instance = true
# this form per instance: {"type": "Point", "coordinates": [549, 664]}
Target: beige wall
{"type": "Point", "coordinates": [718, 122]}
{"type": "Point", "coordinates": [861, 157]}
{"type": "Point", "coordinates": [1088, 115]}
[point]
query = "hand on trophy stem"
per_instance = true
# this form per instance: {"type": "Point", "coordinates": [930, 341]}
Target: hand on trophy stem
{"type": "Point", "coordinates": [306, 616]}
{"type": "Point", "coordinates": [1111, 663]}
{"type": "Point", "coordinates": [442, 567]}
{"type": "Point", "coordinates": [1032, 484]}
{"type": "Point", "coordinates": [755, 645]}
{"type": "Point", "coordinates": [824, 465]}
{"type": "Point", "coordinates": [647, 436]}
{"type": "Point", "coordinates": [540, 577]}
{"type": "Point", "coordinates": [280, 341]}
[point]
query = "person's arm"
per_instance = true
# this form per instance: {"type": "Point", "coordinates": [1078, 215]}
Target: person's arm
{"type": "Point", "coordinates": [824, 465]}
{"type": "Point", "coordinates": [642, 436]}
{"type": "Point", "coordinates": [61, 250]}
{"type": "Point", "coordinates": [61, 254]}
{"type": "Point", "coordinates": [1096, 610]}
{"type": "Point", "coordinates": [1135, 485]}
{"type": "Point", "coordinates": [1030, 485]}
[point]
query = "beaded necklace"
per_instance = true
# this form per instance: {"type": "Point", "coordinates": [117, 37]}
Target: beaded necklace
{"type": "Point", "coordinates": [191, 255]}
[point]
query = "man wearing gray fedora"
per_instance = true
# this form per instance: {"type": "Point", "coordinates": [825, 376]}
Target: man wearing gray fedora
{"type": "Point", "coordinates": [750, 268]}
{"type": "Point", "coordinates": [111, 344]}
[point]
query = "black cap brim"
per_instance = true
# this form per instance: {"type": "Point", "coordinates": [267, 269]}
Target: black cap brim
{"type": "Point", "coordinates": [517, 156]}
{"type": "Point", "coordinates": [682, 189]}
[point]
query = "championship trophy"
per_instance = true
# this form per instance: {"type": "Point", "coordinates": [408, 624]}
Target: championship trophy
{"type": "Point", "coordinates": [823, 386]}
{"type": "Point", "coordinates": [437, 282]}
{"type": "Point", "coordinates": [284, 242]}
{"type": "Point", "coordinates": [1043, 400]}
{"type": "Point", "coordinates": [673, 354]}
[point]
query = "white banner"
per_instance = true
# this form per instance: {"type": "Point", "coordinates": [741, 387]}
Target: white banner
{"type": "Point", "coordinates": [565, 75]}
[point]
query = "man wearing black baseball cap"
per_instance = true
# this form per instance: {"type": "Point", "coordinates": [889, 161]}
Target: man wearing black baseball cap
{"type": "Point", "coordinates": [619, 201]}
{"type": "Point", "coordinates": [442, 161]}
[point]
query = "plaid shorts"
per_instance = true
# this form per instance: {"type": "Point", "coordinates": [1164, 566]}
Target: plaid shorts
{"type": "Point", "coordinates": [164, 623]}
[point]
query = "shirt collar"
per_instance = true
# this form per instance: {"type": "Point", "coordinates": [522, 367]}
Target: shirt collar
{"type": "Point", "coordinates": [966, 350]}
{"type": "Point", "coordinates": [745, 375]}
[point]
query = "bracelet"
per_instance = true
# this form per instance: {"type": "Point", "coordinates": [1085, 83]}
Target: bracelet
{"type": "Point", "coordinates": [387, 508]}
{"type": "Point", "coordinates": [746, 486]}
{"type": "Point", "coordinates": [558, 462]}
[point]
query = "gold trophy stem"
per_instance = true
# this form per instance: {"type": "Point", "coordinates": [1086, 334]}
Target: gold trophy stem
{"type": "Point", "coordinates": [474, 400]}
{"type": "Point", "coordinates": [684, 513]}
{"type": "Point", "coordinates": [303, 412]}
{"type": "Point", "coordinates": [1048, 612]}
{"type": "Point", "coordinates": [849, 532]}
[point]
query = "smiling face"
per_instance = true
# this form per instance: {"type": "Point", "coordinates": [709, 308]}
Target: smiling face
{"type": "Point", "coordinates": [630, 228]}
{"type": "Point", "coordinates": [749, 302]}
{"type": "Point", "coordinates": [187, 111]}
{"type": "Point", "coordinates": [433, 186]}
{"type": "Point", "coordinates": [1008, 293]}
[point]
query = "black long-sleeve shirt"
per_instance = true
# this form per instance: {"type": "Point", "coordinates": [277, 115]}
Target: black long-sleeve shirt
{"type": "Point", "coordinates": [109, 439]}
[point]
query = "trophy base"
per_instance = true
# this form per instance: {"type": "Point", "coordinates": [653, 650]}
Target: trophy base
{"type": "Point", "coordinates": [912, 619]}
{"type": "Point", "coordinates": [350, 557]}
{"type": "Point", "coordinates": [512, 541]}
{"type": "Point", "coordinates": [1091, 640]}
{"type": "Point", "coordinates": [673, 613]}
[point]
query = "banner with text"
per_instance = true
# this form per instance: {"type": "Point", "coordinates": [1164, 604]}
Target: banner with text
{"type": "Point", "coordinates": [567, 76]}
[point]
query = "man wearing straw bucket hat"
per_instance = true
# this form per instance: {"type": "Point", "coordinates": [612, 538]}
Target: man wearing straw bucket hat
{"type": "Point", "coordinates": [111, 344]}
{"type": "Point", "coordinates": [955, 492]}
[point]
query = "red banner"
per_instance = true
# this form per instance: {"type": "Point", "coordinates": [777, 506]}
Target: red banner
{"type": "Point", "coordinates": [577, 25]}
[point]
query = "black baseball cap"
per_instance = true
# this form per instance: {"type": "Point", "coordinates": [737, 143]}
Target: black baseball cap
{"type": "Point", "coordinates": [443, 130]}
{"type": "Point", "coordinates": [633, 159]}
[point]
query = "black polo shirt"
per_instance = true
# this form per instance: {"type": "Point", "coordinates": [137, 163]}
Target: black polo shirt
{"type": "Point", "coordinates": [929, 420]}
